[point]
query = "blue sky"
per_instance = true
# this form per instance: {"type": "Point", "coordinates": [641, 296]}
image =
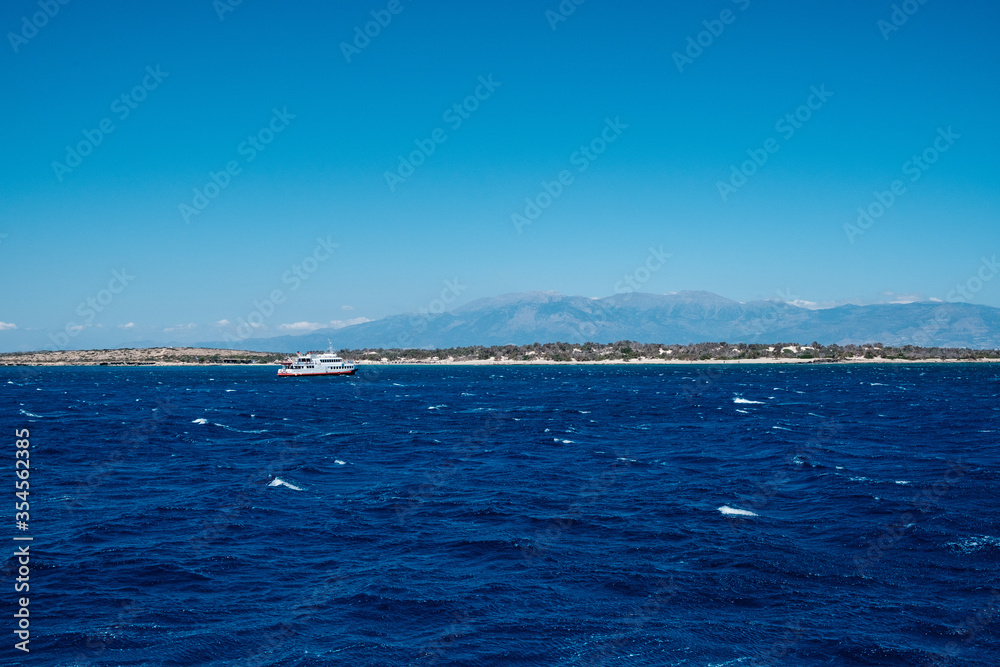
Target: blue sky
{"type": "Point", "coordinates": [329, 127]}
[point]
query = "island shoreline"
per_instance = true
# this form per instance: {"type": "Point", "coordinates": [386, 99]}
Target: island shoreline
{"type": "Point", "coordinates": [623, 353]}
{"type": "Point", "coordinates": [608, 362]}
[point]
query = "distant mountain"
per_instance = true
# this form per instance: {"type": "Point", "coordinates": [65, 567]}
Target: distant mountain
{"type": "Point", "coordinates": [683, 317]}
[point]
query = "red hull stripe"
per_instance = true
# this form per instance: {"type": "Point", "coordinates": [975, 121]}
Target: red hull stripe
{"type": "Point", "coordinates": [302, 375]}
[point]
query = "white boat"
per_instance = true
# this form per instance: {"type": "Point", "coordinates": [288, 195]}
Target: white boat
{"type": "Point", "coordinates": [315, 363]}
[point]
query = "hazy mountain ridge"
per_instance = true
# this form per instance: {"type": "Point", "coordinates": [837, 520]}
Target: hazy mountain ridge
{"type": "Point", "coordinates": [682, 318]}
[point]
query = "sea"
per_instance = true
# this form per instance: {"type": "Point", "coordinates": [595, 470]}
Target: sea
{"type": "Point", "coordinates": [619, 515]}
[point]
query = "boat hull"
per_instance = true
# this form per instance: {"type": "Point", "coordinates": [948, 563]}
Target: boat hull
{"type": "Point", "coordinates": [303, 375]}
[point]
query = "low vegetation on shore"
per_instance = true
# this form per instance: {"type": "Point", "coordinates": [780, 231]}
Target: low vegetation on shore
{"type": "Point", "coordinates": [622, 351]}
{"type": "Point", "coordinates": [633, 351]}
{"type": "Point", "coordinates": [138, 357]}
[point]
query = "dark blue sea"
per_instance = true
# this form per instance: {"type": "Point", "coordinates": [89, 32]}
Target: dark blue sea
{"type": "Point", "coordinates": [507, 515]}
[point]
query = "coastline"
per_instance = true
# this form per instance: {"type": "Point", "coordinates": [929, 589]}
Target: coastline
{"type": "Point", "coordinates": [551, 355]}
{"type": "Point", "coordinates": [490, 362]}
{"type": "Point", "coordinates": [680, 362]}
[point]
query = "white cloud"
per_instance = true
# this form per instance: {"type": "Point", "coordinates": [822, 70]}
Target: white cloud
{"type": "Point", "coordinates": [340, 324]}
{"type": "Point", "coordinates": [300, 327]}
{"type": "Point", "coordinates": [307, 327]}
{"type": "Point", "coordinates": [129, 325]}
{"type": "Point", "coordinates": [180, 327]}
{"type": "Point", "coordinates": [7, 325]}
{"type": "Point", "coordinates": [903, 298]}
{"type": "Point", "coordinates": [222, 323]}
{"type": "Point", "coordinates": [347, 307]}
{"type": "Point", "coordinates": [77, 327]}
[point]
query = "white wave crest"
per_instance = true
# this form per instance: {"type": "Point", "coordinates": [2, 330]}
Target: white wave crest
{"type": "Point", "coordinates": [277, 481]}
{"type": "Point", "coordinates": [976, 543]}
{"type": "Point", "coordinates": [239, 430]}
{"type": "Point", "coordinates": [726, 509]}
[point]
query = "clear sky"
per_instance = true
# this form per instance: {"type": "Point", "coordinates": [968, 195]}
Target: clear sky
{"type": "Point", "coordinates": [681, 109]}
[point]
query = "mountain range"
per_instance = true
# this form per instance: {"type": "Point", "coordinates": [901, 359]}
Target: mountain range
{"type": "Point", "coordinates": [682, 318]}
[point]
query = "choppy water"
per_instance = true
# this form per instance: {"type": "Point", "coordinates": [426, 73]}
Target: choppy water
{"type": "Point", "coordinates": [603, 515]}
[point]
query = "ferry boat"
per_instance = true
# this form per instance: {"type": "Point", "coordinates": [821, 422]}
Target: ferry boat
{"type": "Point", "coordinates": [315, 363]}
